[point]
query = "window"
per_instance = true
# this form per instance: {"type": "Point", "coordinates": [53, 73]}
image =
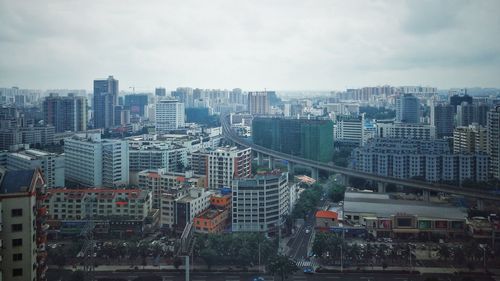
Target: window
{"type": "Point", "coordinates": [17, 257]}
{"type": "Point", "coordinates": [17, 272]}
{"type": "Point", "coordinates": [16, 212]}
{"type": "Point", "coordinates": [17, 242]}
{"type": "Point", "coordinates": [17, 227]}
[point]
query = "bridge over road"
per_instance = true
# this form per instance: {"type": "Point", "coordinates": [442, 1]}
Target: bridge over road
{"type": "Point", "coordinates": [381, 180]}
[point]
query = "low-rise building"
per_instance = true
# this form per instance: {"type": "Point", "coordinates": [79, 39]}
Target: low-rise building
{"type": "Point", "coordinates": [122, 211]}
{"type": "Point", "coordinates": [212, 220]}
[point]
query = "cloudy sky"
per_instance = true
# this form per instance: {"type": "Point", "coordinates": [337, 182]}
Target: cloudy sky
{"type": "Point", "coordinates": [252, 44]}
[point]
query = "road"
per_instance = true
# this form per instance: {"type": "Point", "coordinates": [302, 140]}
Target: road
{"type": "Point", "coordinates": [214, 276]}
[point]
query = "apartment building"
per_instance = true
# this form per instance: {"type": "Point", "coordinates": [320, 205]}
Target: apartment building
{"type": "Point", "coordinates": [226, 163]}
{"type": "Point", "coordinates": [406, 131]}
{"type": "Point", "coordinates": [470, 139]}
{"type": "Point", "coordinates": [260, 202]}
{"type": "Point", "coordinates": [23, 228]}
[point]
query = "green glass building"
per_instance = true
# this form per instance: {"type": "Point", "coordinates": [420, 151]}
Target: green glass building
{"type": "Point", "coordinates": [307, 138]}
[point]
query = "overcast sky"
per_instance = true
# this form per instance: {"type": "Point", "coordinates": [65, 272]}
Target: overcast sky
{"type": "Point", "coordinates": [283, 45]}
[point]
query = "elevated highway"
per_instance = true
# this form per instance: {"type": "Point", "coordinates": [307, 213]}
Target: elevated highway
{"type": "Point", "coordinates": [470, 193]}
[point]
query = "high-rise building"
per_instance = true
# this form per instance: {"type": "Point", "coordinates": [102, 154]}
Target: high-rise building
{"type": "Point", "coordinates": [307, 138]}
{"type": "Point", "coordinates": [66, 113]}
{"type": "Point", "coordinates": [50, 164]}
{"type": "Point", "coordinates": [136, 103]}
{"type": "Point", "coordinates": [465, 114]}
{"type": "Point", "coordinates": [407, 109]}
{"type": "Point", "coordinates": [169, 115]}
{"type": "Point", "coordinates": [160, 92]}
{"type": "Point", "coordinates": [493, 128]}
{"type": "Point", "coordinates": [470, 139]}
{"type": "Point", "coordinates": [258, 103]}
{"type": "Point", "coordinates": [23, 232]}
{"type": "Point", "coordinates": [93, 162]}
{"type": "Point", "coordinates": [442, 117]}
{"type": "Point", "coordinates": [260, 202]}
{"type": "Point", "coordinates": [105, 100]}
{"type": "Point", "coordinates": [226, 163]}
{"type": "Point", "coordinates": [184, 95]}
{"type": "Point", "coordinates": [350, 129]}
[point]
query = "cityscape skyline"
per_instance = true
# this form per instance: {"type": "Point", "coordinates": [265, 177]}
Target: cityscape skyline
{"type": "Point", "coordinates": [283, 46]}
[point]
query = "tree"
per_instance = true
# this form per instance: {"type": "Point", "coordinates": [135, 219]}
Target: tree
{"type": "Point", "coordinates": [209, 256]}
{"type": "Point", "coordinates": [444, 252]}
{"type": "Point", "coordinates": [282, 265]}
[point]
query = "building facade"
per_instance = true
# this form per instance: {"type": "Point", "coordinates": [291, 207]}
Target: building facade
{"type": "Point", "coordinates": [259, 203]}
{"type": "Point", "coordinates": [493, 128]}
{"type": "Point", "coordinates": [470, 139]}
{"type": "Point", "coordinates": [258, 103]}
{"type": "Point", "coordinates": [406, 131]}
{"type": "Point", "coordinates": [169, 115]}
{"type": "Point", "coordinates": [307, 138]}
{"type": "Point", "coordinates": [226, 163]}
{"type": "Point", "coordinates": [442, 117]}
{"type": "Point", "coordinates": [50, 164]}
{"type": "Point", "coordinates": [93, 162]}
{"type": "Point", "coordinates": [23, 230]}
{"type": "Point", "coordinates": [66, 113]}
{"type": "Point", "coordinates": [350, 129]}
{"type": "Point", "coordinates": [407, 109]}
{"type": "Point", "coordinates": [105, 101]}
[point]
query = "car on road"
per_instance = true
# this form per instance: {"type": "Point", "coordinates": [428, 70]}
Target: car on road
{"type": "Point", "coordinates": [307, 230]}
{"type": "Point", "coordinates": [258, 278]}
{"type": "Point", "coordinates": [308, 270]}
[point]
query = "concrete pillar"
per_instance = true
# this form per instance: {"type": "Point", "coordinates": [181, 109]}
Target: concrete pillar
{"type": "Point", "coordinates": [344, 180]}
{"type": "Point", "coordinates": [260, 160]}
{"type": "Point", "coordinates": [426, 195]}
{"type": "Point", "coordinates": [291, 167]}
{"type": "Point", "coordinates": [314, 173]}
{"type": "Point", "coordinates": [271, 163]}
{"type": "Point", "coordinates": [480, 204]}
{"type": "Point", "coordinates": [381, 187]}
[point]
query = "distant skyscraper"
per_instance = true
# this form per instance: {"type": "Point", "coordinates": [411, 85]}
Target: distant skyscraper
{"type": "Point", "coordinates": [493, 128]}
{"type": "Point", "coordinates": [456, 100]}
{"type": "Point", "coordinates": [105, 100]}
{"type": "Point", "coordinates": [407, 109]}
{"type": "Point", "coordinates": [160, 92]}
{"type": "Point", "coordinates": [258, 103]}
{"type": "Point", "coordinates": [442, 118]}
{"type": "Point", "coordinates": [169, 115]}
{"type": "Point", "coordinates": [465, 114]}
{"type": "Point", "coordinates": [65, 113]}
{"type": "Point", "coordinates": [185, 96]}
{"type": "Point", "coordinates": [136, 103]}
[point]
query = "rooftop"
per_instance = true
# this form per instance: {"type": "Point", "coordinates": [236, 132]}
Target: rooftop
{"type": "Point", "coordinates": [367, 203]}
{"type": "Point", "coordinates": [209, 214]}
{"type": "Point", "coordinates": [15, 181]}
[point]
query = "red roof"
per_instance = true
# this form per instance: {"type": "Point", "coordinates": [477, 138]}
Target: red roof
{"type": "Point", "coordinates": [326, 215]}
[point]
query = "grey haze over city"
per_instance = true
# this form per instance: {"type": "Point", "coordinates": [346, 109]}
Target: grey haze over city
{"type": "Point", "coordinates": [284, 45]}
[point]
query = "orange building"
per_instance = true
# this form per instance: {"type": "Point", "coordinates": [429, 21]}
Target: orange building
{"type": "Point", "coordinates": [211, 221]}
{"type": "Point", "coordinates": [220, 201]}
{"type": "Point", "coordinates": [326, 220]}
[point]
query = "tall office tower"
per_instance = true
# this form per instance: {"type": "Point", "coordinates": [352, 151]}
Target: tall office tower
{"type": "Point", "coordinates": [307, 138]}
{"type": "Point", "coordinates": [471, 139]}
{"type": "Point", "coordinates": [122, 115]}
{"type": "Point", "coordinates": [258, 103]}
{"type": "Point", "coordinates": [494, 141]}
{"type": "Point", "coordinates": [227, 163]}
{"type": "Point", "coordinates": [259, 203]}
{"type": "Point", "coordinates": [105, 100]}
{"type": "Point", "coordinates": [465, 114]}
{"type": "Point", "coordinates": [407, 109]}
{"type": "Point", "coordinates": [442, 117]}
{"type": "Point", "coordinates": [50, 164]}
{"type": "Point", "coordinates": [160, 92]}
{"type": "Point", "coordinates": [66, 113]}
{"type": "Point", "coordinates": [136, 103]}
{"type": "Point", "coordinates": [91, 161]}
{"type": "Point", "coordinates": [169, 115]}
{"type": "Point", "coordinates": [24, 233]}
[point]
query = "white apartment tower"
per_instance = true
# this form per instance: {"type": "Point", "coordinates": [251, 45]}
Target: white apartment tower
{"type": "Point", "coordinates": [169, 115]}
{"type": "Point", "coordinates": [226, 163]}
